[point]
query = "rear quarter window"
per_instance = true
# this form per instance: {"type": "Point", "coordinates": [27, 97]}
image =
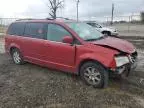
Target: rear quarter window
{"type": "Point", "coordinates": [16, 28]}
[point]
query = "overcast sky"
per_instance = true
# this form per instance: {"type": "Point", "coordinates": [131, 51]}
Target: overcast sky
{"type": "Point", "coordinates": [87, 8]}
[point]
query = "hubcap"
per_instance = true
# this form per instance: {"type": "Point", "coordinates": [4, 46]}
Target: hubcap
{"type": "Point", "coordinates": [92, 75]}
{"type": "Point", "coordinates": [16, 57]}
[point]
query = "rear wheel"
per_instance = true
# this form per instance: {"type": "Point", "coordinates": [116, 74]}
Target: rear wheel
{"type": "Point", "coordinates": [17, 57]}
{"type": "Point", "coordinates": [94, 74]}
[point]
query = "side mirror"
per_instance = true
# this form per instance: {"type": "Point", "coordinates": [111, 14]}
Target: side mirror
{"type": "Point", "coordinates": [67, 39]}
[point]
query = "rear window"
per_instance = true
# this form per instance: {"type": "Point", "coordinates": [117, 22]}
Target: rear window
{"type": "Point", "coordinates": [16, 28]}
{"type": "Point", "coordinates": [36, 30]}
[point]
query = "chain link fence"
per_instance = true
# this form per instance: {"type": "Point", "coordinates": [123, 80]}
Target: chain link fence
{"type": "Point", "coordinates": [128, 25]}
{"type": "Point", "coordinates": [4, 23]}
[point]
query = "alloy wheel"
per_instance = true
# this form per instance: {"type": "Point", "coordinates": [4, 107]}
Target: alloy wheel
{"type": "Point", "coordinates": [16, 57]}
{"type": "Point", "coordinates": [92, 75]}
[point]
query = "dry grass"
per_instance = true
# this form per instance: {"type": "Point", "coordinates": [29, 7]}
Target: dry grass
{"type": "Point", "coordinates": [2, 29]}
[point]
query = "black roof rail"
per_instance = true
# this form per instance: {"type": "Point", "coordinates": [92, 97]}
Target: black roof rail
{"type": "Point", "coordinates": [63, 18]}
{"type": "Point", "coordinates": [25, 19]}
{"type": "Point", "coordinates": [43, 19]}
{"type": "Point", "coordinates": [34, 19]}
{"type": "Point", "coordinates": [57, 18]}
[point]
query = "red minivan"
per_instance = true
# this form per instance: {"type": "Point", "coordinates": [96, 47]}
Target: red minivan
{"type": "Point", "coordinates": [70, 46]}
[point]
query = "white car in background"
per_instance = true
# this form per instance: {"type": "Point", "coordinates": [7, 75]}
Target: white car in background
{"type": "Point", "coordinates": [110, 31]}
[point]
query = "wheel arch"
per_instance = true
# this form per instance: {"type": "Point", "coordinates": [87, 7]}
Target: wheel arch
{"type": "Point", "coordinates": [89, 60]}
{"type": "Point", "coordinates": [106, 31]}
{"type": "Point", "coordinates": [12, 48]}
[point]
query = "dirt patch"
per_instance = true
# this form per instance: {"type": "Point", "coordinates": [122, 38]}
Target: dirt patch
{"type": "Point", "coordinates": [32, 86]}
{"type": "Point", "coordinates": [140, 101]}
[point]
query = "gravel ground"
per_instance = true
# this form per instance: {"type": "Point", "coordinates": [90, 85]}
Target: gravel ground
{"type": "Point", "coordinates": [32, 86]}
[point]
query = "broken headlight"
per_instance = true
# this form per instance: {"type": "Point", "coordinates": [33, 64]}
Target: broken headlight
{"type": "Point", "coordinates": [121, 60]}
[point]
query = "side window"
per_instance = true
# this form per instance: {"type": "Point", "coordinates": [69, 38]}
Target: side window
{"type": "Point", "coordinates": [36, 30]}
{"type": "Point", "coordinates": [56, 32]}
{"type": "Point", "coordinates": [16, 28]}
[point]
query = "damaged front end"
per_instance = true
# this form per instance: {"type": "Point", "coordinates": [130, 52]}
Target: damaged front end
{"type": "Point", "coordinates": [125, 63]}
{"type": "Point", "coordinates": [126, 59]}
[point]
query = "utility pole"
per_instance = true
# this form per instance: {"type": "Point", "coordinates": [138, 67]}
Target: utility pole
{"type": "Point", "coordinates": [112, 14]}
{"type": "Point", "coordinates": [77, 3]}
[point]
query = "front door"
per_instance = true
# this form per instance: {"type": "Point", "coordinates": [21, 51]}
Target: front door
{"type": "Point", "coordinates": [59, 53]}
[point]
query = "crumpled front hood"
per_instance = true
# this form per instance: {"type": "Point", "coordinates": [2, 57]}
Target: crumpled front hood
{"type": "Point", "coordinates": [116, 43]}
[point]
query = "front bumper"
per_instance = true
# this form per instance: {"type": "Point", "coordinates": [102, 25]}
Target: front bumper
{"type": "Point", "coordinates": [127, 68]}
{"type": "Point", "coordinates": [123, 70]}
{"type": "Point", "coordinates": [134, 65]}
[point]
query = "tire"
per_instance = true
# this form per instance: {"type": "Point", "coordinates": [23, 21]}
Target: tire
{"type": "Point", "coordinates": [17, 57]}
{"type": "Point", "coordinates": [94, 74]}
{"type": "Point", "coordinates": [106, 33]}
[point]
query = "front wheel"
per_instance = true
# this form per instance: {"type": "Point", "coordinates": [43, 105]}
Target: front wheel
{"type": "Point", "coordinates": [92, 73]}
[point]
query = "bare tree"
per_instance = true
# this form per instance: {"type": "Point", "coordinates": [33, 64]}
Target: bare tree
{"type": "Point", "coordinates": [54, 5]}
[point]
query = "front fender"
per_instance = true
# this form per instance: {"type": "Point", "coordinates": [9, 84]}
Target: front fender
{"type": "Point", "coordinates": [105, 60]}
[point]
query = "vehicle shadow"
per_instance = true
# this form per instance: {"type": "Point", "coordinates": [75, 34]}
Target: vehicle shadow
{"type": "Point", "coordinates": [116, 82]}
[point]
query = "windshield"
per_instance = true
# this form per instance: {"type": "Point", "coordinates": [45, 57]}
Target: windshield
{"type": "Point", "coordinates": [85, 31]}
